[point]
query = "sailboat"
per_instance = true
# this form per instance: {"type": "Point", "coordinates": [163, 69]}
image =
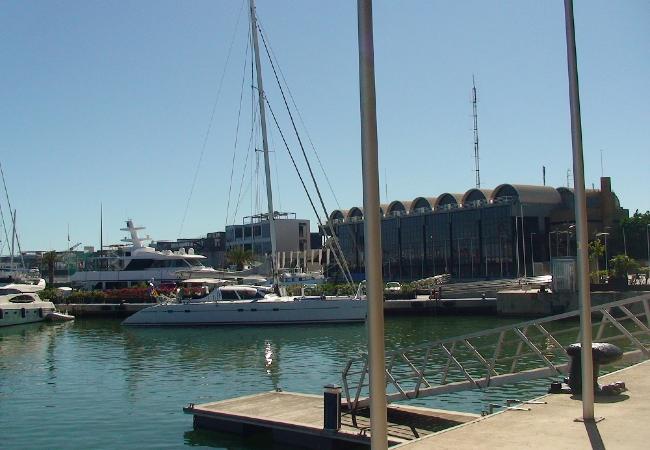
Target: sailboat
{"type": "Point", "coordinates": [245, 305]}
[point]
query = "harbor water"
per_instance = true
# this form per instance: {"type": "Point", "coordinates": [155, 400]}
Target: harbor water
{"type": "Point", "coordinates": [96, 384]}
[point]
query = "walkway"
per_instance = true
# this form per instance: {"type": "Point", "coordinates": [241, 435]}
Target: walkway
{"type": "Point", "coordinates": [552, 425]}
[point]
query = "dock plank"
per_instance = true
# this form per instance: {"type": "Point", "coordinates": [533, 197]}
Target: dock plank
{"type": "Point", "coordinates": [290, 415]}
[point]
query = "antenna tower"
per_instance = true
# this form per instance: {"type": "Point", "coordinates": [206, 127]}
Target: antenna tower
{"type": "Point", "coordinates": [476, 158]}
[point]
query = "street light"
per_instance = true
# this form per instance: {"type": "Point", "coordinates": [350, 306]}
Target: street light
{"type": "Point", "coordinates": [568, 238]}
{"type": "Point", "coordinates": [532, 253]}
{"type": "Point", "coordinates": [647, 238]}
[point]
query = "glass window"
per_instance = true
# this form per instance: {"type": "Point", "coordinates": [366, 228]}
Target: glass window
{"type": "Point", "coordinates": [139, 264]}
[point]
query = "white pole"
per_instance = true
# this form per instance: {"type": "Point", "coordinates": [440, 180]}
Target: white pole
{"type": "Point", "coordinates": [581, 219]}
{"type": "Point", "coordinates": [372, 228]}
{"type": "Point", "coordinates": [523, 238]}
{"type": "Point", "coordinates": [265, 145]}
{"type": "Point", "coordinates": [532, 254]}
{"type": "Point", "coordinates": [606, 262]}
{"type": "Point", "coordinates": [517, 242]}
{"type": "Point", "coordinates": [13, 239]}
{"type": "Point", "coordinates": [647, 239]}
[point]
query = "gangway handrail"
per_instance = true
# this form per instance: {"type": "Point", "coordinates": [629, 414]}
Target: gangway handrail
{"type": "Point", "coordinates": [410, 371]}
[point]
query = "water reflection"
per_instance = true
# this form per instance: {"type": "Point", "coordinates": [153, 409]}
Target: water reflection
{"type": "Point", "coordinates": [93, 373]}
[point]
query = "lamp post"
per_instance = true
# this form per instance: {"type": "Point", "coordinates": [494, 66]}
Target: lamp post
{"type": "Point", "coordinates": [647, 239]}
{"type": "Point", "coordinates": [557, 245]}
{"type": "Point", "coordinates": [532, 253]}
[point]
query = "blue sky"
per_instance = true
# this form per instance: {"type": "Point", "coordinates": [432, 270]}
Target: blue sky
{"type": "Point", "coordinates": [110, 101]}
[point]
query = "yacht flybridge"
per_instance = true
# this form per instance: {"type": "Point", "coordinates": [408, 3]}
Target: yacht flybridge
{"type": "Point", "coordinates": [138, 263]}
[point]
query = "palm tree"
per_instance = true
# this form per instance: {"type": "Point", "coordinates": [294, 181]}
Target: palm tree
{"type": "Point", "coordinates": [50, 259]}
{"type": "Point", "coordinates": [239, 257]}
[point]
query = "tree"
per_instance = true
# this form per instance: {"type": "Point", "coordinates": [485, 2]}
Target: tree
{"type": "Point", "coordinates": [634, 228]}
{"type": "Point", "coordinates": [239, 257]}
{"type": "Point", "coordinates": [596, 250]}
{"type": "Point", "coordinates": [622, 266]}
{"type": "Point", "coordinates": [50, 259]}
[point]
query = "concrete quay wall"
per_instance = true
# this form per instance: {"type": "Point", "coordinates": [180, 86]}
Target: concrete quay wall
{"type": "Point", "coordinates": [533, 303]}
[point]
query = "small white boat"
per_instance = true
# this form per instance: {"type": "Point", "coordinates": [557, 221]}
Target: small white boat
{"type": "Point", "coordinates": [22, 307]}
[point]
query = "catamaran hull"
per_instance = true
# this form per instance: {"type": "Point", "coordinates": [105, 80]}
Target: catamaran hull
{"type": "Point", "coordinates": [299, 311]}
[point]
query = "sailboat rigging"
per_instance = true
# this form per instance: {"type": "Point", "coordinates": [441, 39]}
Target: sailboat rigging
{"type": "Point", "coordinates": [246, 304]}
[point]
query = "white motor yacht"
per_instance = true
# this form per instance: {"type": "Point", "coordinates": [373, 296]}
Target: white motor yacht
{"type": "Point", "coordinates": [20, 303]}
{"type": "Point", "coordinates": [248, 305]}
{"type": "Point", "coordinates": [139, 263]}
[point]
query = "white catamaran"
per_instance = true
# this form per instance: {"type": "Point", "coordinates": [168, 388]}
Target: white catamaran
{"type": "Point", "coordinates": [244, 305]}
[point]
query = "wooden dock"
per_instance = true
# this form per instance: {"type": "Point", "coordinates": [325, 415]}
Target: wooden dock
{"type": "Point", "coordinates": [297, 419]}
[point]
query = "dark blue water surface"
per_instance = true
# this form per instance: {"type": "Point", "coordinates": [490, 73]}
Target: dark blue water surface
{"type": "Point", "coordinates": [96, 384]}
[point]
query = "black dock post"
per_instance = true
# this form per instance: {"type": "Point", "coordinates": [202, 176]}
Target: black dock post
{"type": "Point", "coordinates": [332, 407]}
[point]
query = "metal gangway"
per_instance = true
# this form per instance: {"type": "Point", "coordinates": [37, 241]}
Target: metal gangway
{"type": "Point", "coordinates": [477, 288]}
{"type": "Point", "coordinates": [505, 355]}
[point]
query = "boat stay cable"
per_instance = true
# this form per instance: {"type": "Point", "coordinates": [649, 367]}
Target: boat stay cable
{"type": "Point", "coordinates": [234, 151]}
{"type": "Point", "coordinates": [328, 229]}
{"type": "Point", "coordinates": [4, 227]}
{"type": "Point", "coordinates": [311, 143]}
{"type": "Point", "coordinates": [340, 263]}
{"type": "Point", "coordinates": [302, 122]}
{"type": "Point", "coordinates": [12, 216]}
{"type": "Point", "coordinates": [210, 122]}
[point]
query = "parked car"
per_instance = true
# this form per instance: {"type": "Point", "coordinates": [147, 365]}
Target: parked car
{"type": "Point", "coordinates": [393, 286]}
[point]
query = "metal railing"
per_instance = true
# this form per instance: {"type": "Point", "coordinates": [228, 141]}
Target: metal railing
{"type": "Point", "coordinates": [505, 355]}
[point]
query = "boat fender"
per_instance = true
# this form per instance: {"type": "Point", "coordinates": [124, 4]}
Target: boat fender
{"type": "Point", "coordinates": [40, 312]}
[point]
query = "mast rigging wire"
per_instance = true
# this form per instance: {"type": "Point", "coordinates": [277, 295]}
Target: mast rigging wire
{"type": "Point", "coordinates": [343, 265]}
{"type": "Point", "coordinates": [12, 215]}
{"type": "Point", "coordinates": [234, 151]}
{"type": "Point", "coordinates": [302, 122]}
{"type": "Point", "coordinates": [329, 228]}
{"type": "Point", "coordinates": [211, 121]}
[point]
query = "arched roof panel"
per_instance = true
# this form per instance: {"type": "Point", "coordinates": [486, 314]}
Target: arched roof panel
{"type": "Point", "coordinates": [354, 212]}
{"type": "Point", "coordinates": [475, 194]}
{"type": "Point", "coordinates": [449, 199]}
{"type": "Point", "coordinates": [399, 207]}
{"type": "Point", "coordinates": [526, 193]}
{"type": "Point", "coordinates": [339, 214]}
{"type": "Point", "coordinates": [423, 203]}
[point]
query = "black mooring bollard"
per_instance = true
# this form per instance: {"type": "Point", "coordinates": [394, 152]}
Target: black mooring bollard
{"type": "Point", "coordinates": [332, 407]}
{"type": "Point", "coordinates": [602, 353]}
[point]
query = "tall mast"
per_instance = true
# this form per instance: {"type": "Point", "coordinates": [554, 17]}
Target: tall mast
{"type": "Point", "coordinates": [101, 235]}
{"type": "Point", "coordinates": [265, 145]}
{"type": "Point", "coordinates": [13, 239]}
{"type": "Point", "coordinates": [475, 113]}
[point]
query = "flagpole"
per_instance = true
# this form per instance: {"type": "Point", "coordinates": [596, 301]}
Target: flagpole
{"type": "Point", "coordinates": [581, 219]}
{"type": "Point", "coordinates": [372, 247]}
